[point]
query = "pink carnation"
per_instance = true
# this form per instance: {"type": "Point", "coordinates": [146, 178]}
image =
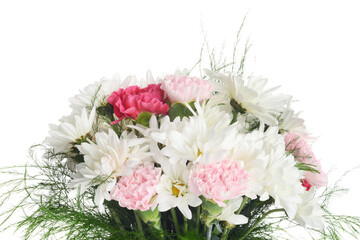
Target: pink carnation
{"type": "Point", "coordinates": [219, 181]}
{"type": "Point", "coordinates": [305, 184]}
{"type": "Point", "coordinates": [317, 179]}
{"type": "Point", "coordinates": [302, 152]}
{"type": "Point", "coordinates": [133, 100]}
{"type": "Point", "coordinates": [136, 191]}
{"type": "Point", "coordinates": [186, 89]}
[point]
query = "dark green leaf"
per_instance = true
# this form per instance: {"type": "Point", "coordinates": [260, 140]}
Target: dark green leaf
{"type": "Point", "coordinates": [143, 118]}
{"type": "Point", "coordinates": [180, 110]}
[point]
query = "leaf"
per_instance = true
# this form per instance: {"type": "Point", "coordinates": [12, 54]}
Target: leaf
{"type": "Point", "coordinates": [143, 118]}
{"type": "Point", "coordinates": [178, 109]}
{"type": "Point", "coordinates": [106, 111]}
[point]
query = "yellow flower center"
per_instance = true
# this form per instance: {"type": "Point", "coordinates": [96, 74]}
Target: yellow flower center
{"type": "Point", "coordinates": [199, 153]}
{"type": "Point", "coordinates": [175, 189]}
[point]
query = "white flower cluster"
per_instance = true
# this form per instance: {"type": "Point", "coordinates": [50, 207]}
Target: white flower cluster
{"type": "Point", "coordinates": [223, 147]}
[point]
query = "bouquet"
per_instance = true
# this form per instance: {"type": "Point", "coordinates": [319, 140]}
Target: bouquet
{"type": "Point", "coordinates": [214, 156]}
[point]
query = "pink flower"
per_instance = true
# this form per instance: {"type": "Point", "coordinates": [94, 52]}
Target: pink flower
{"type": "Point", "coordinates": [317, 179]}
{"type": "Point", "coordinates": [136, 191]}
{"type": "Point", "coordinates": [133, 100]}
{"type": "Point", "coordinates": [305, 184]}
{"type": "Point", "coordinates": [186, 89]}
{"type": "Point", "coordinates": [219, 181]}
{"type": "Point", "coordinates": [302, 152]}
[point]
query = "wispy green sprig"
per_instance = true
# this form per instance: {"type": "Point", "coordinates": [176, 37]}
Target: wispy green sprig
{"type": "Point", "coordinates": [307, 167]}
{"type": "Point", "coordinates": [42, 194]}
{"type": "Point", "coordinates": [218, 62]}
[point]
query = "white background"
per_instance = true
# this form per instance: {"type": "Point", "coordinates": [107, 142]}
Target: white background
{"type": "Point", "coordinates": [51, 49]}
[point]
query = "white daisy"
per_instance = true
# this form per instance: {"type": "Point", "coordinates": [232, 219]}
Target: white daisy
{"type": "Point", "coordinates": [248, 148]}
{"type": "Point", "coordinates": [270, 171]}
{"type": "Point", "coordinates": [282, 177]}
{"type": "Point", "coordinates": [77, 129]}
{"type": "Point", "coordinates": [309, 213]}
{"type": "Point", "coordinates": [272, 140]}
{"type": "Point", "coordinates": [96, 94]}
{"type": "Point", "coordinates": [107, 159]}
{"type": "Point", "coordinates": [250, 97]}
{"type": "Point", "coordinates": [283, 182]}
{"type": "Point", "coordinates": [218, 112]}
{"type": "Point", "coordinates": [156, 133]}
{"type": "Point", "coordinates": [290, 122]}
{"type": "Point", "coordinates": [228, 214]}
{"type": "Point", "coordinates": [85, 98]}
{"type": "Point", "coordinates": [213, 115]}
{"type": "Point", "coordinates": [198, 136]}
{"type": "Point", "coordinates": [173, 190]}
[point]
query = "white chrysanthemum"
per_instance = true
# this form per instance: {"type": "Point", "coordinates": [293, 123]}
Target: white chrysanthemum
{"type": "Point", "coordinates": [282, 177]}
{"type": "Point", "coordinates": [85, 98]}
{"type": "Point", "coordinates": [214, 113]}
{"type": "Point", "coordinates": [228, 214]}
{"type": "Point", "coordinates": [63, 137]}
{"type": "Point", "coordinates": [283, 182]}
{"type": "Point", "coordinates": [309, 213]}
{"type": "Point", "coordinates": [156, 133]}
{"type": "Point", "coordinates": [270, 171]}
{"type": "Point", "coordinates": [107, 159]}
{"type": "Point", "coordinates": [108, 86]}
{"type": "Point", "coordinates": [218, 112]}
{"type": "Point", "coordinates": [273, 140]}
{"type": "Point", "coordinates": [195, 138]}
{"type": "Point", "coordinates": [96, 94]}
{"type": "Point", "coordinates": [252, 96]}
{"type": "Point", "coordinates": [290, 122]}
{"type": "Point", "coordinates": [248, 148]}
{"type": "Point", "coordinates": [173, 190]}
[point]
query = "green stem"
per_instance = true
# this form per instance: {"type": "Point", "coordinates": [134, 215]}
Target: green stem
{"type": "Point", "coordinates": [260, 220]}
{"type": "Point", "coordinates": [225, 234]}
{"type": "Point", "coordinates": [244, 201]}
{"type": "Point", "coordinates": [208, 232]}
{"type": "Point", "coordinates": [117, 219]}
{"type": "Point", "coordinates": [185, 225]}
{"type": "Point", "coordinates": [197, 219]}
{"type": "Point", "coordinates": [227, 229]}
{"type": "Point", "coordinates": [173, 214]}
{"type": "Point", "coordinates": [139, 225]}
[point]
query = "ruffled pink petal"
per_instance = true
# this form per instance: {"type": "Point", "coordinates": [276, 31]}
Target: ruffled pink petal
{"type": "Point", "coordinates": [133, 100]}
{"type": "Point", "coordinates": [219, 181]}
{"type": "Point", "coordinates": [136, 191]}
{"type": "Point", "coordinates": [302, 152]}
{"type": "Point", "coordinates": [185, 89]}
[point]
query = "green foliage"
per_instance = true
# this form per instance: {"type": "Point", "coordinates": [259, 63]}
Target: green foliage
{"type": "Point", "coordinates": [143, 118]}
{"type": "Point", "coordinates": [338, 226]}
{"type": "Point", "coordinates": [306, 167]}
{"type": "Point", "coordinates": [40, 192]}
{"type": "Point", "coordinates": [253, 210]}
{"type": "Point", "coordinates": [106, 111]}
{"type": "Point", "coordinates": [237, 106]}
{"type": "Point", "coordinates": [180, 110]}
{"type": "Point", "coordinates": [218, 62]}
